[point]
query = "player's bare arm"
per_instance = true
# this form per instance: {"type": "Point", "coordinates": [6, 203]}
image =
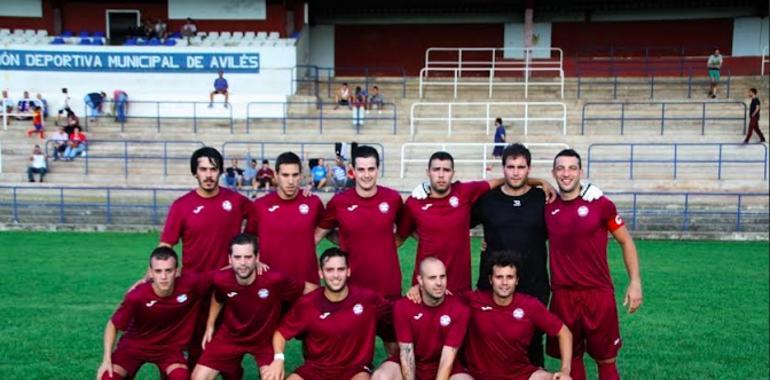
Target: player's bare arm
{"type": "Point", "coordinates": [565, 348]}
{"type": "Point", "coordinates": [320, 234]}
{"type": "Point", "coordinates": [275, 371]}
{"type": "Point", "coordinates": [448, 355]}
{"type": "Point", "coordinates": [110, 335]}
{"type": "Point", "coordinates": [408, 364]}
{"type": "Point", "coordinates": [309, 287]}
{"type": "Point", "coordinates": [214, 309]}
{"type": "Point", "coordinates": [633, 298]}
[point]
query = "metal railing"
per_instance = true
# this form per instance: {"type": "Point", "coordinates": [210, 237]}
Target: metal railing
{"type": "Point", "coordinates": [653, 81]}
{"type": "Point", "coordinates": [490, 83]}
{"type": "Point", "coordinates": [158, 110]}
{"type": "Point", "coordinates": [676, 154]}
{"type": "Point", "coordinates": [325, 112]}
{"type": "Point", "coordinates": [623, 109]}
{"type": "Point", "coordinates": [269, 150]}
{"type": "Point", "coordinates": [650, 52]}
{"type": "Point", "coordinates": [765, 61]}
{"type": "Point", "coordinates": [483, 158]}
{"type": "Point", "coordinates": [131, 154]}
{"type": "Point", "coordinates": [318, 78]}
{"type": "Point", "coordinates": [505, 111]}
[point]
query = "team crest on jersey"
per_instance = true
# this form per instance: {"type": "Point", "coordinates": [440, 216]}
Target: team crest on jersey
{"type": "Point", "coordinates": [358, 309]}
{"type": "Point", "coordinates": [454, 202]}
{"type": "Point", "coordinates": [304, 209]}
{"type": "Point", "coordinates": [384, 207]}
{"type": "Point", "coordinates": [516, 203]}
{"type": "Point", "coordinates": [181, 298]}
{"type": "Point", "coordinates": [582, 211]}
{"type": "Point", "coordinates": [518, 313]}
{"type": "Point", "coordinates": [445, 320]}
{"type": "Point", "coordinates": [227, 206]}
{"type": "Point", "coordinates": [618, 220]}
{"type": "Point", "coordinates": [263, 293]}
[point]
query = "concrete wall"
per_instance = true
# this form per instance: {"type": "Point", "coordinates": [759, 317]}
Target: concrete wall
{"type": "Point", "coordinates": [322, 45]}
{"type": "Point", "coordinates": [750, 36]}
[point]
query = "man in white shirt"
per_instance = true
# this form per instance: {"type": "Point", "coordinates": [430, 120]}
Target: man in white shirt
{"type": "Point", "coordinates": [189, 29]}
{"type": "Point", "coordinates": [38, 164]}
{"type": "Point", "coordinates": [64, 105]}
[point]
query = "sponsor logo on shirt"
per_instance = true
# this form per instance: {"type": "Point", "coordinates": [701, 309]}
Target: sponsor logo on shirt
{"type": "Point", "coordinates": [616, 342]}
{"type": "Point", "coordinates": [227, 206]}
{"type": "Point", "coordinates": [518, 313]}
{"type": "Point", "coordinates": [304, 209]}
{"type": "Point", "coordinates": [232, 294]}
{"type": "Point", "coordinates": [582, 211]}
{"type": "Point", "coordinates": [445, 320]}
{"type": "Point", "coordinates": [417, 317]}
{"type": "Point", "coordinates": [358, 309]}
{"type": "Point", "coordinates": [263, 293]}
{"type": "Point", "coordinates": [273, 208]}
{"type": "Point", "coordinates": [324, 315]}
{"type": "Point", "coordinates": [486, 308]}
{"type": "Point", "coordinates": [516, 203]}
{"type": "Point", "coordinates": [554, 212]}
{"type": "Point", "coordinates": [384, 207]}
{"type": "Point", "coordinates": [197, 209]}
{"type": "Point", "coordinates": [352, 208]}
{"type": "Point", "coordinates": [149, 304]}
{"type": "Point", "coordinates": [427, 206]}
{"type": "Point", "coordinates": [454, 201]}
{"type": "Point", "coordinates": [181, 298]}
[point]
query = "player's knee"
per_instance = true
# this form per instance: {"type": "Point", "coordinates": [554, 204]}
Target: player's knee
{"type": "Point", "coordinates": [540, 375]}
{"type": "Point", "coordinates": [606, 361]}
{"type": "Point", "coordinates": [115, 376]}
{"type": "Point", "coordinates": [178, 373]}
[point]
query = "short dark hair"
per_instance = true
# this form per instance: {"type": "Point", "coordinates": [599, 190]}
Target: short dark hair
{"type": "Point", "coordinates": [753, 90]}
{"type": "Point", "coordinates": [164, 253]}
{"type": "Point", "coordinates": [441, 156]}
{"type": "Point", "coordinates": [243, 239]}
{"type": "Point", "coordinates": [64, 90]}
{"type": "Point", "coordinates": [517, 150]}
{"type": "Point", "coordinates": [264, 162]}
{"type": "Point", "coordinates": [208, 152]}
{"type": "Point", "coordinates": [376, 87]}
{"type": "Point", "coordinates": [287, 158]}
{"type": "Point", "coordinates": [499, 120]}
{"type": "Point", "coordinates": [504, 259]}
{"type": "Point", "coordinates": [332, 252]}
{"type": "Point", "coordinates": [366, 151]}
{"type": "Point", "coordinates": [568, 153]}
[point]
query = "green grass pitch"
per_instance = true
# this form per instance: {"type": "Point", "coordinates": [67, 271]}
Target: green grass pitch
{"type": "Point", "coordinates": [705, 313]}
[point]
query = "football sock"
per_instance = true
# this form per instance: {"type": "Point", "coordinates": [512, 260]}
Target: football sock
{"type": "Point", "coordinates": [608, 371]}
{"type": "Point", "coordinates": [578, 371]}
{"type": "Point", "coordinates": [179, 373]}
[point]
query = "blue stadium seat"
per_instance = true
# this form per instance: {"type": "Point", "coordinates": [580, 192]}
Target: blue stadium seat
{"type": "Point", "coordinates": [85, 41]}
{"type": "Point", "coordinates": [57, 41]}
{"type": "Point", "coordinates": [98, 34]}
{"type": "Point", "coordinates": [130, 42]}
{"type": "Point", "coordinates": [153, 42]}
{"type": "Point", "coordinates": [175, 35]}
{"type": "Point", "coordinates": [66, 33]}
{"type": "Point", "coordinates": [170, 42]}
{"type": "Point", "coordinates": [141, 42]}
{"type": "Point", "coordinates": [97, 41]}
{"type": "Point", "coordinates": [83, 34]}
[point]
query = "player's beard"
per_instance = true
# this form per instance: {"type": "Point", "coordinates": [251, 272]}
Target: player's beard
{"type": "Point", "coordinates": [244, 277]}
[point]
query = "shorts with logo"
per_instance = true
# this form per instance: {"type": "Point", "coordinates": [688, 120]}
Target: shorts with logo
{"type": "Point", "coordinates": [308, 371]}
{"type": "Point", "coordinates": [132, 358]}
{"type": "Point", "coordinates": [226, 357]}
{"type": "Point", "coordinates": [592, 317]}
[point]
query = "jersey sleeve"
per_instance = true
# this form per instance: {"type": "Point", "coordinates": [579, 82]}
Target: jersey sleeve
{"type": "Point", "coordinates": [321, 210]}
{"type": "Point", "coordinates": [401, 322]}
{"type": "Point", "coordinates": [172, 230]}
{"type": "Point", "coordinates": [293, 323]}
{"type": "Point", "coordinates": [406, 222]}
{"type": "Point", "coordinates": [290, 288]}
{"type": "Point", "coordinates": [125, 312]}
{"type": "Point", "coordinates": [544, 320]}
{"type": "Point", "coordinates": [456, 333]}
{"type": "Point", "coordinates": [329, 216]}
{"type": "Point", "coordinates": [474, 190]}
{"type": "Point", "coordinates": [610, 216]}
{"type": "Point", "coordinates": [247, 209]}
{"type": "Point", "coordinates": [252, 221]}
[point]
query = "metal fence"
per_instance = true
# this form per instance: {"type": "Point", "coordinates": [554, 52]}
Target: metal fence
{"type": "Point", "coordinates": [653, 82]}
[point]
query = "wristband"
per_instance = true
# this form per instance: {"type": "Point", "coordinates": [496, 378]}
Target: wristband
{"type": "Point", "coordinates": [279, 356]}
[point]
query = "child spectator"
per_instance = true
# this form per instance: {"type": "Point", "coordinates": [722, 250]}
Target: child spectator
{"type": "Point", "coordinates": [265, 176]}
{"type": "Point", "coordinates": [37, 123]}
{"type": "Point", "coordinates": [60, 139]}
{"type": "Point", "coordinates": [42, 103]}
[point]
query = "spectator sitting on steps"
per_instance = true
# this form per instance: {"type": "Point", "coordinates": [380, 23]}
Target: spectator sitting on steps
{"type": "Point", "coordinates": [342, 96]}
{"type": "Point", "coordinates": [38, 164]}
{"type": "Point", "coordinates": [220, 87]}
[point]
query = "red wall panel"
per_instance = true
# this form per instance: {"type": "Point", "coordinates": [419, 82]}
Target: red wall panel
{"type": "Point", "coordinates": [695, 35]}
{"type": "Point", "coordinates": [89, 16]}
{"type": "Point", "coordinates": [405, 45]}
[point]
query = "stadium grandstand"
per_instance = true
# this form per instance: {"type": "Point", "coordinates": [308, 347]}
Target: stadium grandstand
{"type": "Point", "coordinates": [627, 84]}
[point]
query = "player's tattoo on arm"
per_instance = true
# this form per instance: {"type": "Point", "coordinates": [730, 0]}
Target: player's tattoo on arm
{"type": "Point", "coordinates": [408, 365]}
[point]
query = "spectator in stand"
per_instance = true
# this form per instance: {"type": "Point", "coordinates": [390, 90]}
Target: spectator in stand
{"type": "Point", "coordinates": [7, 102]}
{"type": "Point", "coordinates": [376, 99]}
{"type": "Point", "coordinates": [754, 115]}
{"type": "Point", "coordinates": [189, 29]}
{"type": "Point", "coordinates": [120, 105]}
{"type": "Point", "coordinates": [339, 174]}
{"type": "Point", "coordinates": [250, 173]}
{"type": "Point", "coordinates": [220, 87]}
{"type": "Point", "coordinates": [37, 123]}
{"type": "Point", "coordinates": [342, 97]}
{"type": "Point", "coordinates": [59, 139]}
{"type": "Point", "coordinates": [72, 122]}
{"type": "Point", "coordinates": [233, 175]}
{"type": "Point", "coordinates": [25, 107]}
{"type": "Point", "coordinates": [64, 105]}
{"type": "Point", "coordinates": [714, 65]}
{"type": "Point", "coordinates": [77, 144]}
{"type": "Point", "coordinates": [94, 101]}
{"type": "Point", "coordinates": [42, 103]}
{"type": "Point", "coordinates": [148, 29]}
{"type": "Point", "coordinates": [161, 29]}
{"type": "Point", "coordinates": [319, 174]}
{"type": "Point", "coordinates": [359, 107]}
{"type": "Point", "coordinates": [38, 164]}
{"type": "Point", "coordinates": [265, 176]}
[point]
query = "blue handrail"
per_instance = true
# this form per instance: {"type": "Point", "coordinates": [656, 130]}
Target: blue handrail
{"type": "Point", "coordinates": [372, 75]}
{"type": "Point", "coordinates": [323, 111]}
{"type": "Point", "coordinates": [302, 152]}
{"type": "Point", "coordinates": [662, 119]}
{"type": "Point", "coordinates": [650, 80]}
{"type": "Point", "coordinates": [633, 149]}
{"type": "Point", "coordinates": [194, 117]}
{"type": "Point", "coordinates": [127, 156]}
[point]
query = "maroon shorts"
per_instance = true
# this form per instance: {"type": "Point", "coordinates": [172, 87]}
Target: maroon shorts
{"type": "Point", "coordinates": [226, 357]}
{"type": "Point", "coordinates": [592, 318]}
{"type": "Point", "coordinates": [430, 372]}
{"type": "Point", "coordinates": [311, 372]}
{"type": "Point", "coordinates": [132, 358]}
{"type": "Point", "coordinates": [515, 373]}
{"type": "Point", "coordinates": [387, 330]}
